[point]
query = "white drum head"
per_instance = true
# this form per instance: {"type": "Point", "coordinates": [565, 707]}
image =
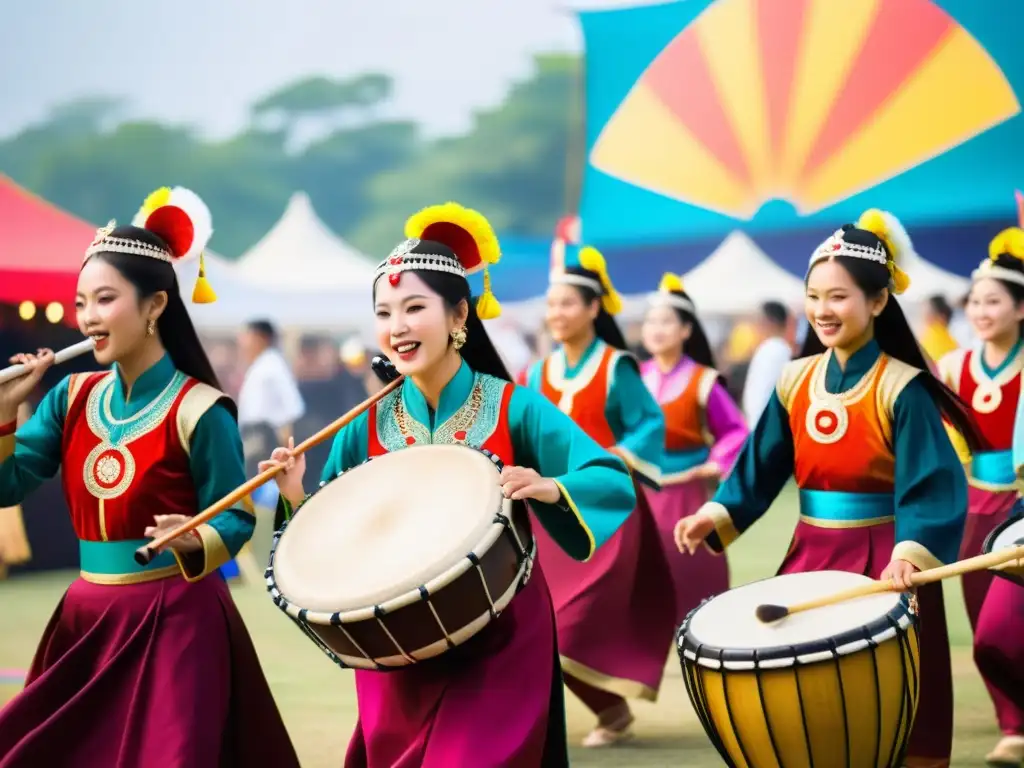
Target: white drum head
{"type": "Point", "coordinates": [386, 527]}
{"type": "Point", "coordinates": [1008, 537]}
{"type": "Point", "coordinates": [728, 621]}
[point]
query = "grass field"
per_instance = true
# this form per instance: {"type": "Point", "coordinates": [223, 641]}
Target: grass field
{"type": "Point", "coordinates": [318, 700]}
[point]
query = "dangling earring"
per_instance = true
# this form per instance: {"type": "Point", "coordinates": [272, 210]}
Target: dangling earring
{"type": "Point", "coordinates": [151, 328]}
{"type": "Point", "coordinates": [458, 338]}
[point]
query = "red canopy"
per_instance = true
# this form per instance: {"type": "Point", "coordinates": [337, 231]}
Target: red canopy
{"type": "Point", "coordinates": [41, 249]}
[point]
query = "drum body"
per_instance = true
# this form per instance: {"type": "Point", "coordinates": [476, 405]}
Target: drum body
{"type": "Point", "coordinates": [402, 557]}
{"type": "Point", "coordinates": [1008, 534]}
{"type": "Point", "coordinates": [826, 688]}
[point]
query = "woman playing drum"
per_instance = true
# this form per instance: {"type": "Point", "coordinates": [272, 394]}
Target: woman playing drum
{"type": "Point", "coordinates": [496, 700]}
{"type": "Point", "coordinates": [593, 379]}
{"type": "Point", "coordinates": [988, 379]}
{"type": "Point", "coordinates": [704, 431]}
{"type": "Point", "coordinates": [882, 492]}
{"type": "Point", "coordinates": [139, 667]}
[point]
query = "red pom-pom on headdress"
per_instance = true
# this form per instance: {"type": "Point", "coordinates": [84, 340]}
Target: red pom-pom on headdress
{"type": "Point", "coordinates": [174, 227]}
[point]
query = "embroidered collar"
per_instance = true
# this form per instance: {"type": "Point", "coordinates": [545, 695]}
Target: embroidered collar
{"type": "Point", "coordinates": [863, 360]}
{"type": "Point", "coordinates": [454, 394]}
{"type": "Point", "coordinates": [147, 388]}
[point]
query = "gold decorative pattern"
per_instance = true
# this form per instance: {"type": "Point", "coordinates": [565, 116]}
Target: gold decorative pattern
{"type": "Point", "coordinates": [708, 377]}
{"type": "Point", "coordinates": [120, 579]}
{"type": "Point", "coordinates": [827, 416]}
{"type": "Point", "coordinates": [916, 554]}
{"type": "Point", "coordinates": [110, 467]}
{"type": "Point", "coordinates": [193, 406]}
{"type": "Point", "coordinates": [213, 555]}
{"type": "Point", "coordinates": [893, 380]}
{"type": "Point", "coordinates": [792, 377]}
{"type": "Point", "coordinates": [989, 393]}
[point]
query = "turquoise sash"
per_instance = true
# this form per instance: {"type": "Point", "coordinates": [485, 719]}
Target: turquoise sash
{"type": "Point", "coordinates": [993, 467]}
{"type": "Point", "coordinates": [845, 507]}
{"type": "Point", "coordinates": [117, 558]}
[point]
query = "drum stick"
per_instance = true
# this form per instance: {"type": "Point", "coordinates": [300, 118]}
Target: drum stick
{"type": "Point", "coordinates": [12, 372]}
{"type": "Point", "coordinates": [771, 613]}
{"type": "Point", "coordinates": [144, 555]}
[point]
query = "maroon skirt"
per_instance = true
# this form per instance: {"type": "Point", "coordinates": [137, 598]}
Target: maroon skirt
{"type": "Point", "coordinates": [161, 673]}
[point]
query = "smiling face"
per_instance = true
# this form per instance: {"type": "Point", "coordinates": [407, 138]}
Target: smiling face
{"type": "Point", "coordinates": [992, 311]}
{"type": "Point", "coordinates": [663, 331]}
{"type": "Point", "coordinates": [840, 313]}
{"type": "Point", "coordinates": [414, 324]}
{"type": "Point", "coordinates": [568, 315]}
{"type": "Point", "coordinates": [108, 309]}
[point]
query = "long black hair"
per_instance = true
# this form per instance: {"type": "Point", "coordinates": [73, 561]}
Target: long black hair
{"type": "Point", "coordinates": [894, 336]}
{"type": "Point", "coordinates": [697, 347]}
{"type": "Point", "coordinates": [478, 351]}
{"type": "Point", "coordinates": [1015, 289]}
{"type": "Point", "coordinates": [149, 275]}
{"type": "Point", "coordinates": [605, 327]}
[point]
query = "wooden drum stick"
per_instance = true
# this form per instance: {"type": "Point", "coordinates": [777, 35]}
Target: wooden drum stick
{"type": "Point", "coordinates": [771, 613]}
{"type": "Point", "coordinates": [144, 555]}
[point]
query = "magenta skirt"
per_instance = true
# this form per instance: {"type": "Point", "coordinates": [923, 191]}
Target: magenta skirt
{"type": "Point", "coordinates": [868, 551]}
{"type": "Point", "coordinates": [494, 702]}
{"type": "Point", "coordinates": [615, 613]}
{"type": "Point", "coordinates": [695, 577]}
{"type": "Point", "coordinates": [161, 673]}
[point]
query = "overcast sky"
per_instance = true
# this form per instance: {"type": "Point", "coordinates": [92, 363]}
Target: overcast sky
{"type": "Point", "coordinates": [203, 62]}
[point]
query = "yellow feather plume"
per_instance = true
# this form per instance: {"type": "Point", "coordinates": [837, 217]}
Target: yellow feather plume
{"type": "Point", "coordinates": [592, 261]}
{"type": "Point", "coordinates": [671, 283]}
{"type": "Point", "coordinates": [154, 200]}
{"type": "Point", "coordinates": [473, 222]}
{"type": "Point", "coordinates": [873, 220]}
{"type": "Point", "coordinates": [1010, 241]}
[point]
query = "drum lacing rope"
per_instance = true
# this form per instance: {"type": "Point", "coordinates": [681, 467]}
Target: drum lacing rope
{"type": "Point", "coordinates": [842, 698]}
{"type": "Point", "coordinates": [800, 700]}
{"type": "Point", "coordinates": [728, 708]}
{"type": "Point", "coordinates": [472, 557]}
{"type": "Point", "coordinates": [907, 701]}
{"type": "Point", "coordinates": [337, 622]}
{"type": "Point", "coordinates": [379, 613]}
{"type": "Point", "coordinates": [425, 597]}
{"type": "Point", "coordinates": [873, 647]}
{"type": "Point", "coordinates": [764, 709]}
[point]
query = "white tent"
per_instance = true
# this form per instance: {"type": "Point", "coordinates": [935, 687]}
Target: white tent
{"type": "Point", "coordinates": [738, 277]}
{"type": "Point", "coordinates": [926, 280]}
{"type": "Point", "coordinates": [301, 255]}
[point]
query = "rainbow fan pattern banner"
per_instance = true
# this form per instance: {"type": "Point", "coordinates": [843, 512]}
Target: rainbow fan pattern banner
{"type": "Point", "coordinates": [708, 115]}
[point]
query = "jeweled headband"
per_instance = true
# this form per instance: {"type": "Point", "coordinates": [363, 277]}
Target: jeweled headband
{"type": "Point", "coordinates": [836, 245]}
{"type": "Point", "coordinates": [1009, 242]}
{"type": "Point", "coordinates": [402, 259]}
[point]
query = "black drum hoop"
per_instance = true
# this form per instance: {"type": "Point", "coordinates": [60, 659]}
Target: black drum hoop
{"type": "Point", "coordinates": [526, 553]}
{"type": "Point", "coordinates": [990, 540]}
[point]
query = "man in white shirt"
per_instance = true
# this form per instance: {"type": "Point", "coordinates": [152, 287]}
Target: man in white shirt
{"type": "Point", "coordinates": [769, 359]}
{"type": "Point", "coordinates": [269, 402]}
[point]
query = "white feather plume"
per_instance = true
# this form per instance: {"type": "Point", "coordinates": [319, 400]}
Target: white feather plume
{"type": "Point", "coordinates": [202, 221]}
{"type": "Point", "coordinates": [898, 237]}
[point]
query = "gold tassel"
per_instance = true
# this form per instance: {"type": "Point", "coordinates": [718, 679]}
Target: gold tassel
{"type": "Point", "coordinates": [487, 306]}
{"type": "Point", "coordinates": [203, 292]}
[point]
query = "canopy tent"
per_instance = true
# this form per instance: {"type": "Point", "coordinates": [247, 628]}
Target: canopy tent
{"type": "Point", "coordinates": [239, 301]}
{"type": "Point", "coordinates": [737, 278]}
{"type": "Point", "coordinates": [41, 249]}
{"type": "Point", "coordinates": [927, 280]}
{"type": "Point", "coordinates": [300, 254]}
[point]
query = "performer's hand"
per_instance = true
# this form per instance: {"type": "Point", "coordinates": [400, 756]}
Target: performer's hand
{"type": "Point", "coordinates": [189, 542]}
{"type": "Point", "coordinates": [520, 483]}
{"type": "Point", "coordinates": [293, 468]}
{"type": "Point", "coordinates": [15, 392]}
{"type": "Point", "coordinates": [899, 573]}
{"type": "Point", "coordinates": [691, 531]}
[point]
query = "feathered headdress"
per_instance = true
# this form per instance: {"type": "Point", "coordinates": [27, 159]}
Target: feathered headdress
{"type": "Point", "coordinates": [670, 293]}
{"type": "Point", "coordinates": [466, 232]}
{"type": "Point", "coordinates": [591, 260]}
{"type": "Point", "coordinates": [177, 216]}
{"type": "Point", "coordinates": [893, 243]}
{"type": "Point", "coordinates": [1009, 242]}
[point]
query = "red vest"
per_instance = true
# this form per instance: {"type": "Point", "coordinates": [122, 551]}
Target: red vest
{"type": "Point", "coordinates": [113, 492]}
{"type": "Point", "coordinates": [992, 401]}
{"type": "Point", "coordinates": [587, 404]}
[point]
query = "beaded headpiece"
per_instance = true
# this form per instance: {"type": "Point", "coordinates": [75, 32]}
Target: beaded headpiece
{"type": "Point", "coordinates": [465, 232]}
{"type": "Point", "coordinates": [893, 242]}
{"type": "Point", "coordinates": [1009, 242]}
{"type": "Point", "coordinates": [180, 219]}
{"type": "Point", "coordinates": [669, 294]}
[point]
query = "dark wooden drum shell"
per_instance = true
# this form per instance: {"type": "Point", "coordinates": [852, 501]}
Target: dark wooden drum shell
{"type": "Point", "coordinates": [417, 624]}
